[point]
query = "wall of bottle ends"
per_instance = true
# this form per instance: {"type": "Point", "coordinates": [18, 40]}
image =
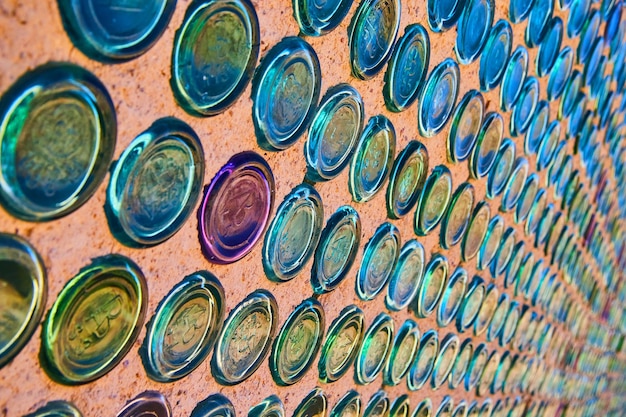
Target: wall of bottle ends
{"type": "Point", "coordinates": [426, 265]}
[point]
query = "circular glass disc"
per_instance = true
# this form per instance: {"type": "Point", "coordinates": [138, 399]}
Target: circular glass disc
{"type": "Point", "coordinates": [245, 339]}
{"type": "Point", "coordinates": [560, 73]}
{"type": "Point", "coordinates": [334, 132]}
{"type": "Point", "coordinates": [438, 97]}
{"type": "Point", "coordinates": [336, 250]}
{"type": "Point", "coordinates": [491, 242]}
{"type": "Point", "coordinates": [23, 291]}
{"type": "Point", "coordinates": [537, 128]}
{"type": "Point", "coordinates": [94, 321]}
{"type": "Point", "coordinates": [433, 200]}
{"type": "Point", "coordinates": [501, 170]}
{"type": "Point", "coordinates": [57, 137]}
{"type": "Point", "coordinates": [155, 183]}
{"type": "Point", "coordinates": [293, 234]}
{"type": "Point", "coordinates": [456, 219]}
{"type": "Point", "coordinates": [407, 68]}
{"type": "Point", "coordinates": [525, 107]}
{"type": "Point", "coordinates": [297, 343]}
{"type": "Point", "coordinates": [111, 32]}
{"type": "Point", "coordinates": [538, 20]}
{"type": "Point", "coordinates": [379, 261]}
{"type": "Point", "coordinates": [149, 403]}
{"type": "Point", "coordinates": [342, 344]}
{"type": "Point", "coordinates": [487, 146]}
{"type": "Point", "coordinates": [374, 350]}
{"type": "Point", "coordinates": [403, 352]}
{"type": "Point", "coordinates": [348, 406]}
{"type": "Point", "coordinates": [432, 287]}
{"type": "Point", "coordinates": [269, 407]}
{"type": "Point", "coordinates": [424, 361]}
{"type": "Point", "coordinates": [550, 47]}
{"type": "Point", "coordinates": [466, 124]}
{"type": "Point", "coordinates": [519, 10]}
{"type": "Point", "coordinates": [236, 207]}
{"type": "Point", "coordinates": [372, 160]}
{"type": "Point", "coordinates": [495, 56]}
{"type": "Point", "coordinates": [473, 29]}
{"type": "Point", "coordinates": [215, 52]}
{"type": "Point", "coordinates": [371, 36]}
{"type": "Point", "coordinates": [313, 405]}
{"type": "Point", "coordinates": [443, 14]}
{"type": "Point", "coordinates": [476, 231]}
{"type": "Point", "coordinates": [406, 180]}
{"type": "Point", "coordinates": [514, 78]}
{"type": "Point", "coordinates": [515, 184]}
{"type": "Point", "coordinates": [452, 297]}
{"type": "Point", "coordinates": [285, 90]}
{"type": "Point", "coordinates": [448, 351]}
{"type": "Point", "coordinates": [317, 19]}
{"type": "Point", "coordinates": [407, 276]}
{"type": "Point", "coordinates": [184, 328]}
